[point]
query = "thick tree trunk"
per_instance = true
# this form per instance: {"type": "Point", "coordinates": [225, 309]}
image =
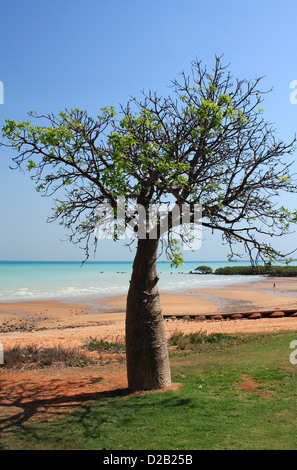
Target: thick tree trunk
{"type": "Point", "coordinates": [147, 356]}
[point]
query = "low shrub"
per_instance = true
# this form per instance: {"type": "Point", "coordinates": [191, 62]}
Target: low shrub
{"type": "Point", "coordinates": [116, 346]}
{"type": "Point", "coordinates": [285, 271]}
{"type": "Point", "coordinates": [203, 269]}
{"type": "Point", "coordinates": [187, 341]}
{"type": "Point", "coordinates": [32, 356]}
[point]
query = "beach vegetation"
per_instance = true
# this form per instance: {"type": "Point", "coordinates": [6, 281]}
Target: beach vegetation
{"type": "Point", "coordinates": [189, 341]}
{"type": "Point", "coordinates": [117, 345]}
{"type": "Point", "coordinates": [207, 143]}
{"type": "Point", "coordinates": [203, 269]}
{"type": "Point", "coordinates": [265, 270]}
{"type": "Point", "coordinates": [32, 356]}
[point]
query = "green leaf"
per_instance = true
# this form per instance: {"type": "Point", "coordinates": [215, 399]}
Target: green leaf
{"type": "Point", "coordinates": [31, 165]}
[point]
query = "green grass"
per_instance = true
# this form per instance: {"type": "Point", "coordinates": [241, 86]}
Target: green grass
{"type": "Point", "coordinates": [192, 340]}
{"type": "Point", "coordinates": [211, 410]}
{"type": "Point", "coordinates": [95, 344]}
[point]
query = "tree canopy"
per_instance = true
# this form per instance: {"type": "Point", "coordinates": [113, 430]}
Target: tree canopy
{"type": "Point", "coordinates": [207, 142]}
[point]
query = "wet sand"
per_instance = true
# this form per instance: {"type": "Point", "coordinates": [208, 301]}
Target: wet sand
{"type": "Point", "coordinates": [47, 323]}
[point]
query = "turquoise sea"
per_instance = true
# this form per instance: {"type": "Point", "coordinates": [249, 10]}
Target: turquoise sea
{"type": "Point", "coordinates": [23, 281]}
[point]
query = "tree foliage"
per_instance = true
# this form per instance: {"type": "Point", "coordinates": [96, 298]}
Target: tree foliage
{"type": "Point", "coordinates": [204, 269]}
{"type": "Point", "coordinates": [208, 142]}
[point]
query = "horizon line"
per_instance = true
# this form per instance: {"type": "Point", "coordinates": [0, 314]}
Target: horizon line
{"type": "Point", "coordinates": [110, 261]}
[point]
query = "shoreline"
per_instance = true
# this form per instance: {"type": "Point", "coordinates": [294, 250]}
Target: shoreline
{"type": "Point", "coordinates": [53, 322]}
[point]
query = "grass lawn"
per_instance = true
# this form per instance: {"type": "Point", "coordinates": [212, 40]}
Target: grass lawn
{"type": "Point", "coordinates": [237, 392]}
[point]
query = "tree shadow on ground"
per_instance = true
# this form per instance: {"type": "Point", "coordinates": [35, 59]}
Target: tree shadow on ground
{"type": "Point", "coordinates": [46, 400]}
{"type": "Point", "coordinates": [27, 403]}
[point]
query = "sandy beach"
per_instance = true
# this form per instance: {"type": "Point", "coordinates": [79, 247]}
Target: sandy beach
{"type": "Point", "coordinates": [48, 323]}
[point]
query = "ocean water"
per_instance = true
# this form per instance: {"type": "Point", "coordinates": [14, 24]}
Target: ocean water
{"type": "Point", "coordinates": [23, 281]}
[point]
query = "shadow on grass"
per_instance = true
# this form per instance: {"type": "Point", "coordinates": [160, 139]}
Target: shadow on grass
{"type": "Point", "coordinates": [45, 415]}
{"type": "Point", "coordinates": [15, 412]}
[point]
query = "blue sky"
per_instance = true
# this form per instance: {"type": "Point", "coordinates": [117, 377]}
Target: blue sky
{"type": "Point", "coordinates": [93, 53]}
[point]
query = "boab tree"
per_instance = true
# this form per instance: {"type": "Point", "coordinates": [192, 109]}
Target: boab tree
{"type": "Point", "coordinates": [206, 143]}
